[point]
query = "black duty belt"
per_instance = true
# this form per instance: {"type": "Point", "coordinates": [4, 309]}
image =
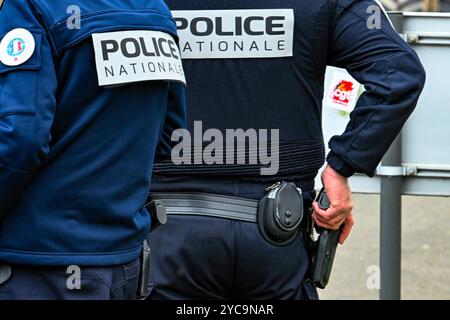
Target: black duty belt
{"type": "Point", "coordinates": [264, 212]}
{"type": "Point", "coordinates": [212, 205]}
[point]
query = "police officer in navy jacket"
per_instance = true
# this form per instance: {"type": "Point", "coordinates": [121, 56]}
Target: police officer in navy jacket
{"type": "Point", "coordinates": [87, 89]}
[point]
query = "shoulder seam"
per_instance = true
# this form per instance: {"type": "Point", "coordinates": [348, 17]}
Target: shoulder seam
{"type": "Point", "coordinates": [46, 26]}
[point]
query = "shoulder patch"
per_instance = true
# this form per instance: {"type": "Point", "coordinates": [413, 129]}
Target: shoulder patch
{"type": "Point", "coordinates": [16, 47]}
{"type": "Point", "coordinates": [138, 55]}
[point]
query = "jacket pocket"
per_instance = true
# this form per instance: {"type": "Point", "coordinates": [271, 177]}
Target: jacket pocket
{"type": "Point", "coordinates": [18, 84]}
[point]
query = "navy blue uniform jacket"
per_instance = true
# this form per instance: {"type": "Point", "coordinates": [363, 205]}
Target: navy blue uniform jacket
{"type": "Point", "coordinates": [286, 92]}
{"type": "Point", "coordinates": [76, 158]}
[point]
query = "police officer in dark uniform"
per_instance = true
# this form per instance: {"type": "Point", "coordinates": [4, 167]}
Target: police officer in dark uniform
{"type": "Point", "coordinates": [87, 89]}
{"type": "Point", "coordinates": [261, 64]}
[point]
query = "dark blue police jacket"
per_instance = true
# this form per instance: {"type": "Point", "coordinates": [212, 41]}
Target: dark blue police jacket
{"type": "Point", "coordinates": [261, 64]}
{"type": "Point", "coordinates": [75, 157]}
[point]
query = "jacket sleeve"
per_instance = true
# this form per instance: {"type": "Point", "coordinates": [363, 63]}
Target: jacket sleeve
{"type": "Point", "coordinates": [393, 78]}
{"type": "Point", "coordinates": [27, 105]}
{"type": "Point", "coordinates": [175, 119]}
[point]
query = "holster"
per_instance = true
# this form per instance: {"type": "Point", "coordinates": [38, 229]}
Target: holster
{"type": "Point", "coordinates": [5, 273]}
{"type": "Point", "coordinates": [280, 213]}
{"type": "Point", "coordinates": [158, 217]}
{"type": "Point", "coordinates": [144, 273]}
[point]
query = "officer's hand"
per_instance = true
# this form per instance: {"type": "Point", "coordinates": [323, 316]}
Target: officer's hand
{"type": "Point", "coordinates": [341, 204]}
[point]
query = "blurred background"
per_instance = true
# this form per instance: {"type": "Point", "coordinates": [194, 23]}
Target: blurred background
{"type": "Point", "coordinates": [417, 231]}
{"type": "Point", "coordinates": [425, 251]}
{"type": "Point", "coordinates": [417, 5]}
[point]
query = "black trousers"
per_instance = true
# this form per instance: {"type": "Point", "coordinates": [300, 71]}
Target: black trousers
{"type": "Point", "coordinates": [197, 257]}
{"type": "Point", "coordinates": [51, 283]}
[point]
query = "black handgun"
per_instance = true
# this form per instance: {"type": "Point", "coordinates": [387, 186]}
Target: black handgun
{"type": "Point", "coordinates": [325, 248]}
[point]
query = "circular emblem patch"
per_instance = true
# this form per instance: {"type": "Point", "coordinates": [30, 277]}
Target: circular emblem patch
{"type": "Point", "coordinates": [16, 47]}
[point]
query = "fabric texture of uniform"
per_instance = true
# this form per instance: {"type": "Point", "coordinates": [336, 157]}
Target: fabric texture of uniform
{"type": "Point", "coordinates": [76, 159]}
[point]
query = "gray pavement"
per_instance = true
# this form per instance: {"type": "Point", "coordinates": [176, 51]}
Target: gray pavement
{"type": "Point", "coordinates": [425, 253]}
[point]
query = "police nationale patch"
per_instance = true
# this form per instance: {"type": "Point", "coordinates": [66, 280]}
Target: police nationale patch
{"type": "Point", "coordinates": [139, 55]}
{"type": "Point", "coordinates": [16, 47]}
{"type": "Point", "coordinates": [235, 34]}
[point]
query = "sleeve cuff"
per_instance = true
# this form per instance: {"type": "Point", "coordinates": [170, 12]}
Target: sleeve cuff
{"type": "Point", "coordinates": [340, 165]}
